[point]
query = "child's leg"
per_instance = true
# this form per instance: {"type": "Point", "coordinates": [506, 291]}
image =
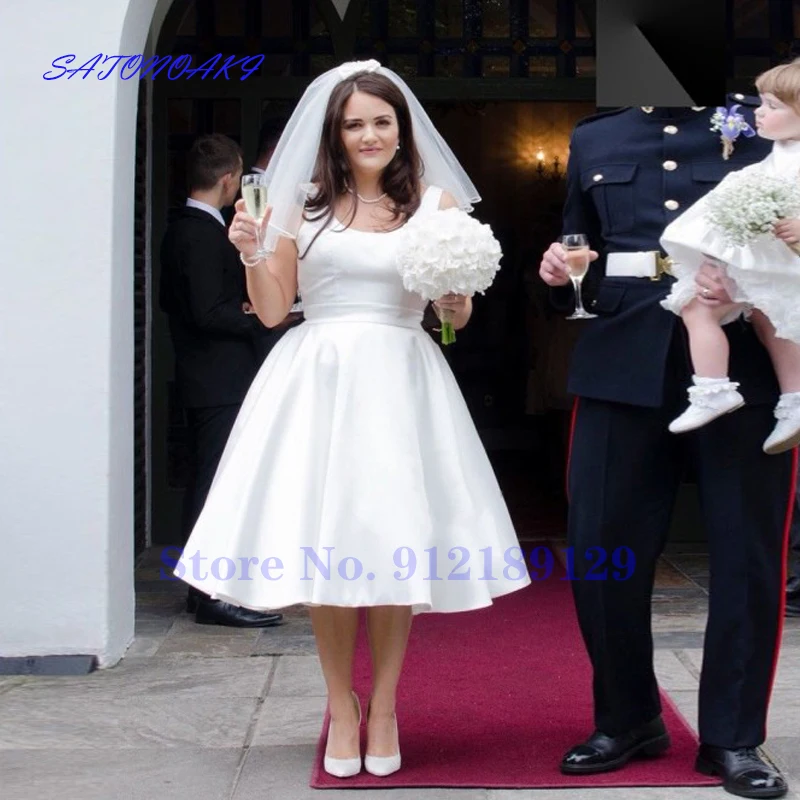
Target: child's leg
{"type": "Point", "coordinates": [713, 394]}
{"type": "Point", "coordinates": [784, 353]}
{"type": "Point", "coordinates": [785, 357]}
{"type": "Point", "coordinates": [708, 344]}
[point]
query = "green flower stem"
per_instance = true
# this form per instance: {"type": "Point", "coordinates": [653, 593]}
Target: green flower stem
{"type": "Point", "coordinates": [446, 315]}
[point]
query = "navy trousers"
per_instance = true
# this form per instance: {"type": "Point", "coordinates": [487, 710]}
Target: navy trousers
{"type": "Point", "coordinates": [624, 472]}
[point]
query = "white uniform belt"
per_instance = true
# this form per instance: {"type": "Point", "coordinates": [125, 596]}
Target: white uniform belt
{"type": "Point", "coordinates": [650, 264]}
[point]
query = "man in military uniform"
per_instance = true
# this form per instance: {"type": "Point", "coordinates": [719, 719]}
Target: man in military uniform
{"type": "Point", "coordinates": [630, 173]}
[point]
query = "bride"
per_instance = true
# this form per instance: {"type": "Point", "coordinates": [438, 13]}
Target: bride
{"type": "Point", "coordinates": [354, 476]}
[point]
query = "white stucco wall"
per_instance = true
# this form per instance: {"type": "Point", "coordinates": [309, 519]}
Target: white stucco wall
{"type": "Point", "coordinates": [66, 330]}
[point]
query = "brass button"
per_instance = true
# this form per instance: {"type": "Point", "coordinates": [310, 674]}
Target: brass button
{"type": "Point", "coordinates": [597, 177]}
{"type": "Point", "coordinates": [670, 129]}
{"type": "Point", "coordinates": [672, 205]}
{"type": "Point", "coordinates": [647, 109]}
{"type": "Point", "coordinates": [670, 165]}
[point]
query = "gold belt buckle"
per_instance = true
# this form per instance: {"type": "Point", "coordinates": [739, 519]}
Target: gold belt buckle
{"type": "Point", "coordinates": [663, 266]}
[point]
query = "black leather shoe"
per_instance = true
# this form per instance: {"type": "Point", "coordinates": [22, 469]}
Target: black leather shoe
{"type": "Point", "coordinates": [216, 612]}
{"type": "Point", "coordinates": [742, 770]}
{"type": "Point", "coordinates": [193, 599]}
{"type": "Point", "coordinates": [601, 753]}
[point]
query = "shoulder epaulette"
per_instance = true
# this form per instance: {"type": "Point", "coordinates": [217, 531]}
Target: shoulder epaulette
{"type": "Point", "coordinates": [743, 100]}
{"type": "Point", "coordinates": [600, 115]}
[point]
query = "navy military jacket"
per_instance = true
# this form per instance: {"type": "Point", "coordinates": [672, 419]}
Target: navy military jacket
{"type": "Point", "coordinates": [629, 174]}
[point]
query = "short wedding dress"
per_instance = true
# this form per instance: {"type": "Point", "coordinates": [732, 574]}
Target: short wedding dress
{"type": "Point", "coordinates": [354, 475]}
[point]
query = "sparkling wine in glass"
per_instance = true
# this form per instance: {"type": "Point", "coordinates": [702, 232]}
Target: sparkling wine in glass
{"type": "Point", "coordinates": [254, 192]}
{"type": "Point", "coordinates": [576, 246]}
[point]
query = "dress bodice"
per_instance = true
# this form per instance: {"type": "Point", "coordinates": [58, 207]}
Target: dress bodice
{"type": "Point", "coordinates": [351, 275]}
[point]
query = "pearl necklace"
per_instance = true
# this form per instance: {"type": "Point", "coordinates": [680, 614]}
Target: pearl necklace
{"type": "Point", "coordinates": [364, 200]}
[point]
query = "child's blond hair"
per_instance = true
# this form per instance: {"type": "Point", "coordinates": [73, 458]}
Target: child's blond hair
{"type": "Point", "coordinates": [784, 82]}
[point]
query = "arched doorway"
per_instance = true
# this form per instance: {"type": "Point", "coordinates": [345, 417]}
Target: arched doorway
{"type": "Point", "coordinates": [504, 81]}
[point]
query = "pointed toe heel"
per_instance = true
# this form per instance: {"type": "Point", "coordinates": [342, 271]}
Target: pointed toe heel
{"type": "Point", "coordinates": [343, 767]}
{"type": "Point", "coordinates": [381, 766]}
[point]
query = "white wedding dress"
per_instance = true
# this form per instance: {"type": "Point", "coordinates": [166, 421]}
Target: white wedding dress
{"type": "Point", "coordinates": [354, 475]}
{"type": "Point", "coordinates": [764, 274]}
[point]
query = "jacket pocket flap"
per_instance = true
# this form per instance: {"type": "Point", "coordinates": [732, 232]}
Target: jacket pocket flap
{"type": "Point", "coordinates": [608, 173]}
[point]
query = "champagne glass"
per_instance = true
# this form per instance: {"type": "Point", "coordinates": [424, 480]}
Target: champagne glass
{"type": "Point", "coordinates": [577, 253]}
{"type": "Point", "coordinates": [254, 192]}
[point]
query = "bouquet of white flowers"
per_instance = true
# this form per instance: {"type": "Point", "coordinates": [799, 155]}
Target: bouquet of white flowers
{"type": "Point", "coordinates": [447, 252]}
{"type": "Point", "coordinates": [746, 206]}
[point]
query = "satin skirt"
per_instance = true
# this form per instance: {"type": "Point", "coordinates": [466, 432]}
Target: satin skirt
{"type": "Point", "coordinates": [354, 476]}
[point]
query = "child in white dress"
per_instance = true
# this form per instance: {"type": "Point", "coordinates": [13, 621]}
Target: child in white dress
{"type": "Point", "coordinates": [762, 280]}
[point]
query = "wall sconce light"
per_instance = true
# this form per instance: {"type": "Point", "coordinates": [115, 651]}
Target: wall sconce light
{"type": "Point", "coordinates": [541, 166]}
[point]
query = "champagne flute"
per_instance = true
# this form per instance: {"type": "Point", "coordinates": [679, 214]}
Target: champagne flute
{"type": "Point", "coordinates": [577, 254]}
{"type": "Point", "coordinates": [254, 192]}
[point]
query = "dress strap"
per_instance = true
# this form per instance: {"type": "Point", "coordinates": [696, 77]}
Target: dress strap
{"type": "Point", "coordinates": [430, 199]}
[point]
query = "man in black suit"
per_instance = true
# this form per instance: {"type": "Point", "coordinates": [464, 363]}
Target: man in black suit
{"type": "Point", "coordinates": [203, 291]}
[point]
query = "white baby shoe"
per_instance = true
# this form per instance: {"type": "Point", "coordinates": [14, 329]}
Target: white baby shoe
{"type": "Point", "coordinates": [786, 433]}
{"type": "Point", "coordinates": [709, 398]}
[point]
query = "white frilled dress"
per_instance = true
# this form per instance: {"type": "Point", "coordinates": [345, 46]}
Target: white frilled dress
{"type": "Point", "coordinates": [764, 274]}
{"type": "Point", "coordinates": [353, 456]}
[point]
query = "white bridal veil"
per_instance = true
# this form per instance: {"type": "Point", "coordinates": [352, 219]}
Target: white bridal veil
{"type": "Point", "coordinates": [290, 169]}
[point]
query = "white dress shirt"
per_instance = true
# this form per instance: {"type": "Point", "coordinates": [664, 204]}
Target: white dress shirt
{"type": "Point", "coordinates": [215, 212]}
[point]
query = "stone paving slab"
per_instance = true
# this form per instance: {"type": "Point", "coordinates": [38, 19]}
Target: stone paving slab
{"type": "Point", "coordinates": [298, 676]}
{"type": "Point", "coordinates": [673, 674]}
{"type": "Point", "coordinates": [53, 719]}
{"type": "Point", "coordinates": [178, 773]}
{"type": "Point", "coordinates": [171, 678]}
{"type": "Point", "coordinates": [290, 721]}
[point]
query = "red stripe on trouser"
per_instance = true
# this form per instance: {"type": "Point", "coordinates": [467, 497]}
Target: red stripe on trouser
{"type": "Point", "coordinates": [784, 568]}
{"type": "Point", "coordinates": [569, 445]}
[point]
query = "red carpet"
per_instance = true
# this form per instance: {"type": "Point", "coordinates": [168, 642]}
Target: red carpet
{"type": "Point", "coordinates": [493, 698]}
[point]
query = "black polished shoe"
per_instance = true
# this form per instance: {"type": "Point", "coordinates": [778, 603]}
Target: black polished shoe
{"type": "Point", "coordinates": [601, 753]}
{"type": "Point", "coordinates": [217, 612]}
{"type": "Point", "coordinates": [193, 599]}
{"type": "Point", "coordinates": [742, 770]}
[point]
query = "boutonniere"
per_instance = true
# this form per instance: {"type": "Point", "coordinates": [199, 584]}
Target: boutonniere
{"type": "Point", "coordinates": [730, 124]}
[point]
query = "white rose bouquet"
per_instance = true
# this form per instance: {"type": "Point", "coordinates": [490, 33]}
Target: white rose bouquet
{"type": "Point", "coordinates": [746, 206]}
{"type": "Point", "coordinates": [447, 252]}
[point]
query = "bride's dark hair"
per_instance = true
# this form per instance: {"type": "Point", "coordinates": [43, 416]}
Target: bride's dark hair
{"type": "Point", "coordinates": [400, 178]}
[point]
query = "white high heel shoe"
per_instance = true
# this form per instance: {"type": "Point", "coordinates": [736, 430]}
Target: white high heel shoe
{"type": "Point", "coordinates": [343, 767]}
{"type": "Point", "coordinates": [384, 765]}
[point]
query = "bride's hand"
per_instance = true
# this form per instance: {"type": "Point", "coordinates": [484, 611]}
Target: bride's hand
{"type": "Point", "coordinates": [242, 232]}
{"type": "Point", "coordinates": [453, 302]}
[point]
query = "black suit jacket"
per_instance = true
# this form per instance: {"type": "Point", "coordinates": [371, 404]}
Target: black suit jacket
{"type": "Point", "coordinates": [629, 174]}
{"type": "Point", "coordinates": [202, 290]}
